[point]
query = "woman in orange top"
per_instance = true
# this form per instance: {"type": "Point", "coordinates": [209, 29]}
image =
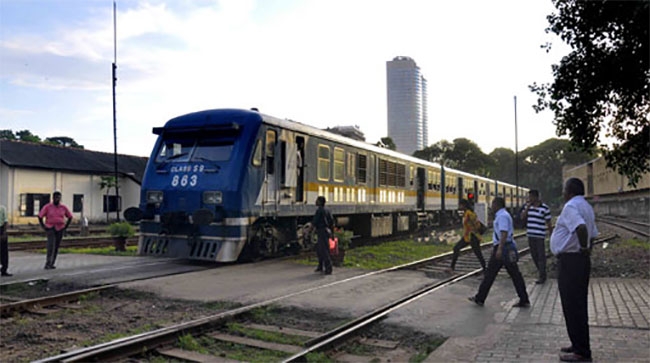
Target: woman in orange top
{"type": "Point", "coordinates": [470, 234]}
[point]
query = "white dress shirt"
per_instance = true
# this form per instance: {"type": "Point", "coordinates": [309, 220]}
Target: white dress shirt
{"type": "Point", "coordinates": [575, 212]}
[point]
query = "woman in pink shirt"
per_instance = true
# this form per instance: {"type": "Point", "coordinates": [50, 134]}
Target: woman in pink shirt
{"type": "Point", "coordinates": [55, 215]}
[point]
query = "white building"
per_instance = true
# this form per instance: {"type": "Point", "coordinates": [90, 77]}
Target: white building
{"type": "Point", "coordinates": [407, 105]}
{"type": "Point", "coordinates": [30, 172]}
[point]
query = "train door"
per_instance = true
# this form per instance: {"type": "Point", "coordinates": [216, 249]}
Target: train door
{"type": "Point", "coordinates": [461, 189]}
{"type": "Point", "coordinates": [421, 185]}
{"type": "Point", "coordinates": [300, 169]}
{"type": "Point", "coordinates": [270, 197]}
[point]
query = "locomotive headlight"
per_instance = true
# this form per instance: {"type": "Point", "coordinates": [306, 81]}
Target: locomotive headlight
{"type": "Point", "coordinates": [212, 197]}
{"type": "Point", "coordinates": [154, 197]}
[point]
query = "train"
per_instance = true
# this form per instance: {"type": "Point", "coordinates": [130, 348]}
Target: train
{"type": "Point", "coordinates": [230, 184]}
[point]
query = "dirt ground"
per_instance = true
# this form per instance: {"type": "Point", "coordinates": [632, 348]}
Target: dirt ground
{"type": "Point", "coordinates": [115, 313]}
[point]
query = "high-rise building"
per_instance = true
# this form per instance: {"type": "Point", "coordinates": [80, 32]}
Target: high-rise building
{"type": "Point", "coordinates": [407, 105]}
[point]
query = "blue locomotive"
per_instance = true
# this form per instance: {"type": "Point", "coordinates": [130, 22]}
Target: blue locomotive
{"type": "Point", "coordinates": [226, 184]}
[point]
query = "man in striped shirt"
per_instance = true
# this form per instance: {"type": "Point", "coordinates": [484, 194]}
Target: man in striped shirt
{"type": "Point", "coordinates": [538, 223]}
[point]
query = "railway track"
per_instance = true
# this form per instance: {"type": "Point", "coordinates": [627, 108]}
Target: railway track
{"type": "Point", "coordinates": [158, 341]}
{"type": "Point", "coordinates": [637, 227]}
{"type": "Point", "coordinates": [69, 242]}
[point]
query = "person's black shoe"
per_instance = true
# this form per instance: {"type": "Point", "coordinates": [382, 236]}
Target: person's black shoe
{"type": "Point", "coordinates": [522, 304]}
{"type": "Point", "coordinates": [574, 357]}
{"type": "Point", "coordinates": [473, 299]}
{"type": "Point", "coordinates": [328, 272]}
{"type": "Point", "coordinates": [568, 349]}
{"type": "Point", "coordinates": [318, 270]}
{"type": "Point", "coordinates": [5, 273]}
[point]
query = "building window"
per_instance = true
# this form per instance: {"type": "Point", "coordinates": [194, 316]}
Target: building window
{"type": "Point", "coordinates": [31, 204]}
{"type": "Point", "coordinates": [112, 203]}
{"type": "Point", "coordinates": [77, 203]}
{"type": "Point", "coordinates": [339, 164]}
{"type": "Point", "coordinates": [323, 162]}
{"type": "Point", "coordinates": [362, 168]}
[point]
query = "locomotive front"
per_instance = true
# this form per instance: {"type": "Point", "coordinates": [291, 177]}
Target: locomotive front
{"type": "Point", "coordinates": [191, 203]}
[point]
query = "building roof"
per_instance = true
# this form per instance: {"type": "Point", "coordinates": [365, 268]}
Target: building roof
{"type": "Point", "coordinates": [52, 157]}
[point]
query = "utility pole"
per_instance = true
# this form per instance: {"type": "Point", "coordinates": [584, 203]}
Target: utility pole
{"type": "Point", "coordinates": [114, 68]}
{"type": "Point", "coordinates": [516, 160]}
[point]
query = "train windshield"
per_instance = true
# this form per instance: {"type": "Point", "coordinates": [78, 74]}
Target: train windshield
{"type": "Point", "coordinates": [194, 149]}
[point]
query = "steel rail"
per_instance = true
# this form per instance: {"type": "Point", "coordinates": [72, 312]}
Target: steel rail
{"type": "Point", "coordinates": [127, 346]}
{"type": "Point", "coordinates": [6, 309]}
{"type": "Point", "coordinates": [623, 225]}
{"type": "Point", "coordinates": [67, 243]}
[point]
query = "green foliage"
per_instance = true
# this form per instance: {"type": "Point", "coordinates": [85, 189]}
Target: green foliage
{"type": "Point", "coordinates": [63, 141]}
{"type": "Point", "coordinates": [265, 335]}
{"type": "Point", "coordinates": [108, 251]}
{"type": "Point", "coordinates": [26, 135]}
{"type": "Point", "coordinates": [388, 142]}
{"type": "Point", "coordinates": [188, 342]}
{"type": "Point", "coordinates": [604, 83]}
{"type": "Point", "coordinates": [344, 237]}
{"type": "Point", "coordinates": [7, 135]}
{"type": "Point", "coordinates": [121, 229]}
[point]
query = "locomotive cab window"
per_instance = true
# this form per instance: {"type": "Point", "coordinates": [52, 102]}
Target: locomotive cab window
{"type": "Point", "coordinates": [175, 149]}
{"type": "Point", "coordinates": [212, 150]}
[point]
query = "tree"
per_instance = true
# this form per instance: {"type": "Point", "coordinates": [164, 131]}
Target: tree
{"type": "Point", "coordinates": [26, 135]}
{"type": "Point", "coordinates": [63, 141]}
{"type": "Point", "coordinates": [541, 166]}
{"type": "Point", "coordinates": [604, 82]}
{"type": "Point", "coordinates": [388, 142]}
{"type": "Point", "coordinates": [437, 152]}
{"type": "Point", "coordinates": [503, 165]}
{"type": "Point", "coordinates": [106, 183]}
{"type": "Point", "coordinates": [468, 157]}
{"type": "Point", "coordinates": [7, 135]}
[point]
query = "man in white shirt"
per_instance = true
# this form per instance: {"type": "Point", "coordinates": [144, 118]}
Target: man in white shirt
{"type": "Point", "coordinates": [571, 242]}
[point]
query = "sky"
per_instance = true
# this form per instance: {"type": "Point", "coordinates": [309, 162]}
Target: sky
{"type": "Point", "coordinates": [319, 62]}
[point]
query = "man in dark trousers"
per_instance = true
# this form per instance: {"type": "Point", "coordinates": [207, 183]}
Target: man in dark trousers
{"type": "Point", "coordinates": [324, 224]}
{"type": "Point", "coordinates": [538, 221]}
{"type": "Point", "coordinates": [4, 242]}
{"type": "Point", "coordinates": [504, 253]}
{"type": "Point", "coordinates": [55, 214]}
{"type": "Point", "coordinates": [571, 242]}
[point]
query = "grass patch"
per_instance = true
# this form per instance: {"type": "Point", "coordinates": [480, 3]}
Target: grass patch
{"type": "Point", "coordinates": [388, 254]}
{"type": "Point", "coordinates": [265, 335]}
{"type": "Point", "coordinates": [636, 243]}
{"type": "Point", "coordinates": [107, 251]}
{"type": "Point", "coordinates": [426, 349]}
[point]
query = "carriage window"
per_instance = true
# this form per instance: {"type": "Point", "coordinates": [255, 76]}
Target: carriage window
{"type": "Point", "coordinates": [351, 166]}
{"type": "Point", "coordinates": [323, 162]}
{"type": "Point", "coordinates": [257, 154]}
{"type": "Point", "coordinates": [339, 164]}
{"type": "Point", "coordinates": [362, 168]}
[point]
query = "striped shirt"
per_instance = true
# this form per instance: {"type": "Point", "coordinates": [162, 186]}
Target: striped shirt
{"type": "Point", "coordinates": [536, 221]}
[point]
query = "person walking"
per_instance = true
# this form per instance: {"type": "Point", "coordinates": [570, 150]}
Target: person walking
{"type": "Point", "coordinates": [538, 221]}
{"type": "Point", "coordinates": [571, 243]}
{"type": "Point", "coordinates": [470, 235]}
{"type": "Point", "coordinates": [324, 224]}
{"type": "Point", "coordinates": [4, 242]}
{"type": "Point", "coordinates": [504, 253]}
{"type": "Point", "coordinates": [55, 214]}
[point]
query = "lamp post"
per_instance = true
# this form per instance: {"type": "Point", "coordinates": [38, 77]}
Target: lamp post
{"type": "Point", "coordinates": [516, 159]}
{"type": "Point", "coordinates": [114, 71]}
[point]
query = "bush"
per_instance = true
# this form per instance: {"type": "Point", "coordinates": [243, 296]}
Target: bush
{"type": "Point", "coordinates": [121, 229]}
{"type": "Point", "coordinates": [345, 237]}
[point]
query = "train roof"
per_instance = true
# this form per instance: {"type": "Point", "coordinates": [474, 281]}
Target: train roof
{"type": "Point", "coordinates": [243, 117]}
